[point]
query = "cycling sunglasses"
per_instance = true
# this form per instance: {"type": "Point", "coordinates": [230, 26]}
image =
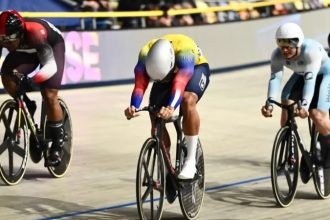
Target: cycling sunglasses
{"type": "Point", "coordinates": [11, 37]}
{"type": "Point", "coordinates": [292, 42]}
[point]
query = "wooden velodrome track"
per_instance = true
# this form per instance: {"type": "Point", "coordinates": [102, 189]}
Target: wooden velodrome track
{"type": "Point", "coordinates": [100, 183]}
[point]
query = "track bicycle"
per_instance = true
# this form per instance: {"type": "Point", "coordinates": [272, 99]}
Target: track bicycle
{"type": "Point", "coordinates": [151, 183]}
{"type": "Point", "coordinates": [22, 136]}
{"type": "Point", "coordinates": [285, 159]}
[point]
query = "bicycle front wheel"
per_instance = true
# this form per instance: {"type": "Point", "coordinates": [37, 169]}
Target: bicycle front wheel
{"type": "Point", "coordinates": [191, 192]}
{"type": "Point", "coordinates": [150, 181]}
{"type": "Point", "coordinates": [62, 168]}
{"type": "Point", "coordinates": [285, 167]}
{"type": "Point", "coordinates": [14, 145]}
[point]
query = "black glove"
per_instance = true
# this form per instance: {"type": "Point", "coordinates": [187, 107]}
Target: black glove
{"type": "Point", "coordinates": [23, 82]}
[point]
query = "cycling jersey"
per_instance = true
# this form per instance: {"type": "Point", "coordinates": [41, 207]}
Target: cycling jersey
{"type": "Point", "coordinates": [312, 61]}
{"type": "Point", "coordinates": [39, 40]}
{"type": "Point", "coordinates": [187, 56]}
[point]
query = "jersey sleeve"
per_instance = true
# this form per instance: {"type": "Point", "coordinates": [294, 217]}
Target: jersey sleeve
{"type": "Point", "coordinates": [141, 80]}
{"type": "Point", "coordinates": [47, 61]}
{"type": "Point", "coordinates": [38, 38]}
{"type": "Point", "coordinates": [275, 80]}
{"type": "Point", "coordinates": [313, 59]}
{"type": "Point", "coordinates": [185, 62]}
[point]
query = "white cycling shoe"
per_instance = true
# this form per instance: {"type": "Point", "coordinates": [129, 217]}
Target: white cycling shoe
{"type": "Point", "coordinates": [188, 171]}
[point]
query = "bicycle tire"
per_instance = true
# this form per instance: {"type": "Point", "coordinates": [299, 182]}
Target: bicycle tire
{"type": "Point", "coordinates": [150, 180]}
{"type": "Point", "coordinates": [191, 192]}
{"type": "Point", "coordinates": [14, 148]}
{"type": "Point", "coordinates": [285, 167]}
{"type": "Point", "coordinates": [318, 175]}
{"type": "Point", "coordinates": [60, 170]}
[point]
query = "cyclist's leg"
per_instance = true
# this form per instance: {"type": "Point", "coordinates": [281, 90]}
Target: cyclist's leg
{"type": "Point", "coordinates": [191, 121]}
{"type": "Point", "coordinates": [49, 91]}
{"type": "Point", "coordinates": [291, 91]}
{"type": "Point", "coordinates": [54, 125]}
{"type": "Point", "coordinates": [320, 115]}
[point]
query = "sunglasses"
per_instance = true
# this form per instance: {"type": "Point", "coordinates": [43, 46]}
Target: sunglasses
{"type": "Point", "coordinates": [292, 42]}
{"type": "Point", "coordinates": [11, 37]}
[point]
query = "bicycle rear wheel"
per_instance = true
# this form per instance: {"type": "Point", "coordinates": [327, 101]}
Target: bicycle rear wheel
{"type": "Point", "coordinates": [150, 181]}
{"type": "Point", "coordinates": [191, 192]}
{"type": "Point", "coordinates": [62, 168]}
{"type": "Point", "coordinates": [14, 146]}
{"type": "Point", "coordinates": [285, 167]}
{"type": "Point", "coordinates": [318, 174]}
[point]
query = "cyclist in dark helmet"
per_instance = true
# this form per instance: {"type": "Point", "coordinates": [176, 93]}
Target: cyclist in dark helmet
{"type": "Point", "coordinates": [35, 48]}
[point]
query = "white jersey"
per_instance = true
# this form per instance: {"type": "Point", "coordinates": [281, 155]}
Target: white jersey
{"type": "Point", "coordinates": [313, 60]}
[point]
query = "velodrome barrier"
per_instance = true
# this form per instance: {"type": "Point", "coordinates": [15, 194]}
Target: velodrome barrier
{"type": "Point", "coordinates": [96, 58]}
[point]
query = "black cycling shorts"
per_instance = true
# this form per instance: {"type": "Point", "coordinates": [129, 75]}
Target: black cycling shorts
{"type": "Point", "coordinates": [161, 91]}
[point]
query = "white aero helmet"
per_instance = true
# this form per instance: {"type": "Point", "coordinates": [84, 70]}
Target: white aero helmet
{"type": "Point", "coordinates": [160, 60]}
{"type": "Point", "coordinates": [289, 34]}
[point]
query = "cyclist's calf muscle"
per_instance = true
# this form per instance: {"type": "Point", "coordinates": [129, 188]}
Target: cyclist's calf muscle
{"type": "Point", "coordinates": [321, 121]}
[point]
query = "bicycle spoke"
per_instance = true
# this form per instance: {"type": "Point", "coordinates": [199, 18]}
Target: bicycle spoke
{"type": "Point", "coordinates": [154, 157]}
{"type": "Point", "coordinates": [4, 145]}
{"type": "Point", "coordinates": [6, 123]}
{"type": "Point", "coordinates": [288, 179]}
{"type": "Point", "coordinates": [145, 166]}
{"type": "Point", "coordinates": [18, 150]}
{"type": "Point", "coordinates": [152, 203]}
{"type": "Point", "coordinates": [146, 194]}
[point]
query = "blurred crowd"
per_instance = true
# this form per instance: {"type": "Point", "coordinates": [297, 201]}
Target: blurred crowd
{"type": "Point", "coordinates": [168, 20]}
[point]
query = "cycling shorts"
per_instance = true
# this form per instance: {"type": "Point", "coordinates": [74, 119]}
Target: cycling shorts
{"type": "Point", "coordinates": [161, 91]}
{"type": "Point", "coordinates": [321, 99]}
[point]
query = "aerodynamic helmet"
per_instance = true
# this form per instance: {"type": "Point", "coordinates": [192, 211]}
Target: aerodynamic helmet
{"type": "Point", "coordinates": [289, 34]}
{"type": "Point", "coordinates": [12, 25]}
{"type": "Point", "coordinates": [160, 60]}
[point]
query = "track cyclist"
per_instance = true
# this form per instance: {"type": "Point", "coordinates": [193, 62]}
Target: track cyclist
{"type": "Point", "coordinates": [181, 75]}
{"type": "Point", "coordinates": [310, 83]}
{"type": "Point", "coordinates": [36, 47]}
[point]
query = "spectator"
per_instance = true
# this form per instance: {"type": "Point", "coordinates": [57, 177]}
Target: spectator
{"type": "Point", "coordinates": [182, 20]}
{"type": "Point", "coordinates": [97, 6]}
{"type": "Point", "coordinates": [129, 5]}
{"type": "Point", "coordinates": [209, 17]}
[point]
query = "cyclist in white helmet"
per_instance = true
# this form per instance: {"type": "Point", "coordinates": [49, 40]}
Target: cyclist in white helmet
{"type": "Point", "coordinates": [310, 83]}
{"type": "Point", "coordinates": [181, 75]}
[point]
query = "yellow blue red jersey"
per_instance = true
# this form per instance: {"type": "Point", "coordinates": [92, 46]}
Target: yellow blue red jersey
{"type": "Point", "coordinates": [187, 56]}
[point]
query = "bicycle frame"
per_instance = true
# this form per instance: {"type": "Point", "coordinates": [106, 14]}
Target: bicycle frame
{"type": "Point", "coordinates": [158, 135]}
{"type": "Point", "coordinates": [292, 124]}
{"type": "Point", "coordinates": [23, 109]}
{"type": "Point", "coordinates": [190, 192]}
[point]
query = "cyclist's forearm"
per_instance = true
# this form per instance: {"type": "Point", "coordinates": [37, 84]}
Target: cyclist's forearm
{"type": "Point", "coordinates": [274, 85]}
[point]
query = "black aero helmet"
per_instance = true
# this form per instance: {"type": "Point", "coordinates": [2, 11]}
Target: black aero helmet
{"type": "Point", "coordinates": [12, 25]}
